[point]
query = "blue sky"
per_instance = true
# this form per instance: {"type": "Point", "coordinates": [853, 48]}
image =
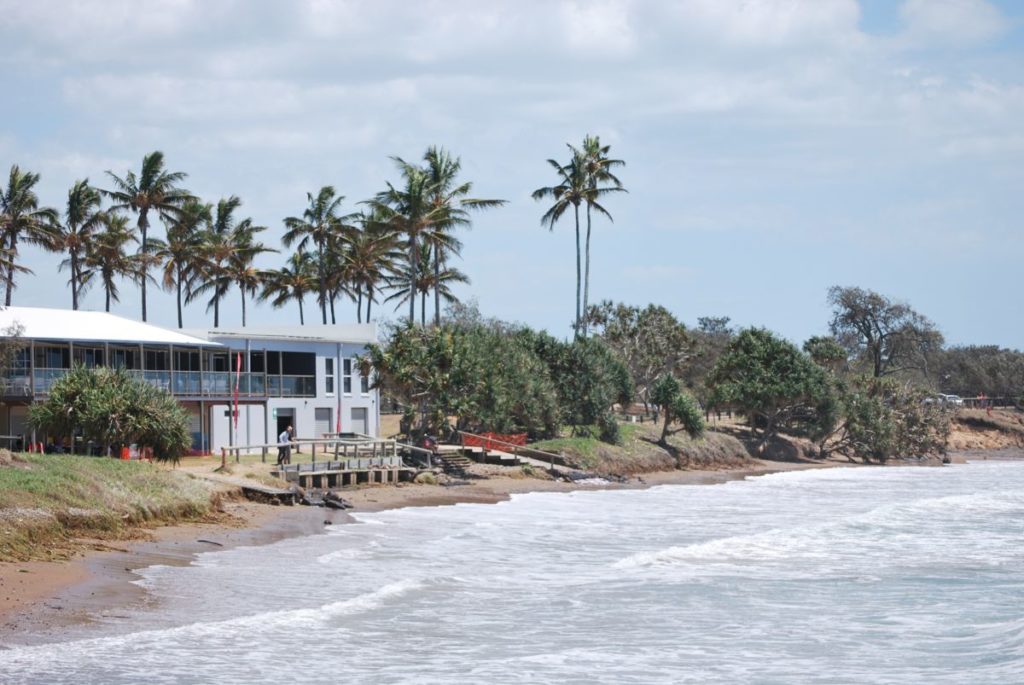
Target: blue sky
{"type": "Point", "coordinates": [774, 147]}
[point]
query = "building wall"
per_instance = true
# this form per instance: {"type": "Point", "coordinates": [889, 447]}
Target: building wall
{"type": "Point", "coordinates": [258, 424]}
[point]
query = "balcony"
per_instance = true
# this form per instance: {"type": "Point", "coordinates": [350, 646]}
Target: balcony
{"type": "Point", "coordinates": [181, 383]}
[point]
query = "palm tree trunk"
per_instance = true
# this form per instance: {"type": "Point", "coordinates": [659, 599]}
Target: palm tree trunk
{"type": "Point", "coordinates": [143, 229]}
{"type": "Point", "coordinates": [179, 299]}
{"type": "Point", "coordinates": [74, 280]}
{"type": "Point", "coordinates": [369, 301]}
{"type": "Point", "coordinates": [413, 262]}
{"type": "Point", "coordinates": [10, 268]}
{"type": "Point", "coordinates": [437, 286]}
{"type": "Point", "coordinates": [216, 312]}
{"type": "Point", "coordinates": [107, 288]}
{"type": "Point", "coordinates": [243, 306]}
{"type": "Point", "coordinates": [302, 319]}
{"type": "Point", "coordinates": [586, 276]}
{"type": "Point", "coordinates": [333, 320]}
{"type": "Point", "coordinates": [323, 281]}
{"type": "Point", "coordinates": [359, 304]}
{"type": "Point", "coordinates": [423, 308]}
{"type": "Point", "coordinates": [576, 325]}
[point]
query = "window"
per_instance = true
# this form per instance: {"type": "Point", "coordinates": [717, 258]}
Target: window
{"type": "Point", "coordinates": [346, 376]}
{"type": "Point", "coordinates": [329, 375]}
{"type": "Point", "coordinates": [364, 384]}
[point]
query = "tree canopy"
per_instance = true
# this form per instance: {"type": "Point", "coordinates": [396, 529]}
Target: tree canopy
{"type": "Point", "coordinates": [887, 336]}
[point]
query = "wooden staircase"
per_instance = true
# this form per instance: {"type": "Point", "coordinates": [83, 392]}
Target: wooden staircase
{"type": "Point", "coordinates": [454, 463]}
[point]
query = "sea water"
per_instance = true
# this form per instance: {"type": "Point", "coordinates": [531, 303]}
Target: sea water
{"type": "Point", "coordinates": [867, 575]}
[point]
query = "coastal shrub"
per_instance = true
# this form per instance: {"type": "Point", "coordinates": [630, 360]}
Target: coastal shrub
{"type": "Point", "coordinates": [769, 379]}
{"type": "Point", "coordinates": [877, 419]}
{"type": "Point", "coordinates": [112, 408]}
{"type": "Point", "coordinates": [677, 407]}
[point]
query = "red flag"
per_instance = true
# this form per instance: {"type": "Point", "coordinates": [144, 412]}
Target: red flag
{"type": "Point", "coordinates": [238, 380]}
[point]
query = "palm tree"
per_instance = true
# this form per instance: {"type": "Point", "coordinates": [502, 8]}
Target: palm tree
{"type": "Point", "coordinates": [21, 218]}
{"type": "Point", "coordinates": [598, 171]}
{"type": "Point", "coordinates": [154, 189]}
{"type": "Point", "coordinates": [409, 211]}
{"type": "Point", "coordinates": [241, 269]}
{"type": "Point", "coordinates": [226, 247]}
{"type": "Point", "coordinates": [425, 282]}
{"type": "Point", "coordinates": [450, 197]}
{"type": "Point", "coordinates": [372, 258]}
{"type": "Point", "coordinates": [293, 281]}
{"type": "Point", "coordinates": [81, 220]}
{"type": "Point", "coordinates": [107, 255]}
{"type": "Point", "coordinates": [319, 224]}
{"type": "Point", "coordinates": [570, 191]}
{"type": "Point", "coordinates": [181, 254]}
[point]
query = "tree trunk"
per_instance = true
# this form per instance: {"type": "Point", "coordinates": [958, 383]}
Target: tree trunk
{"type": "Point", "coordinates": [586, 276]}
{"type": "Point", "coordinates": [216, 311]}
{"type": "Point", "coordinates": [10, 268]}
{"type": "Point", "coordinates": [333, 320]}
{"type": "Point", "coordinates": [359, 304]}
{"type": "Point", "coordinates": [144, 229]}
{"type": "Point", "coordinates": [179, 299]}
{"type": "Point", "coordinates": [369, 302]}
{"type": "Point", "coordinates": [323, 281]}
{"type": "Point", "coordinates": [302, 319]}
{"type": "Point", "coordinates": [413, 263]}
{"type": "Point", "coordinates": [243, 306]}
{"type": "Point", "coordinates": [107, 288]}
{"type": "Point", "coordinates": [74, 280]}
{"type": "Point", "coordinates": [576, 325]}
{"type": "Point", "coordinates": [423, 308]}
{"type": "Point", "coordinates": [437, 285]}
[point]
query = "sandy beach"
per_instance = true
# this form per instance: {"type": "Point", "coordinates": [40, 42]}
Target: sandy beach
{"type": "Point", "coordinates": [39, 600]}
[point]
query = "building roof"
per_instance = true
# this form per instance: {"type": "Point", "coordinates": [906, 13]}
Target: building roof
{"type": "Point", "coordinates": [359, 333]}
{"type": "Point", "coordinates": [63, 324]}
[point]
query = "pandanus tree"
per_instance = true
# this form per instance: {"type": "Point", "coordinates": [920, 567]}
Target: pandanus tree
{"type": "Point", "coordinates": [154, 190]}
{"type": "Point", "coordinates": [451, 198]}
{"type": "Point", "coordinates": [319, 225]}
{"type": "Point", "coordinates": [82, 218]}
{"type": "Point", "coordinates": [108, 255]}
{"type": "Point", "coordinates": [569, 192]}
{"type": "Point", "coordinates": [23, 220]}
{"type": "Point", "coordinates": [296, 279]}
{"type": "Point", "coordinates": [408, 211]}
{"type": "Point", "coordinates": [181, 253]}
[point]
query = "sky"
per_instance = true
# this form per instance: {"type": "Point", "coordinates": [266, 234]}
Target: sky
{"type": "Point", "coordinates": [773, 148]}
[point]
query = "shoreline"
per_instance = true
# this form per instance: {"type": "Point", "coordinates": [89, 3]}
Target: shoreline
{"type": "Point", "coordinates": [39, 601]}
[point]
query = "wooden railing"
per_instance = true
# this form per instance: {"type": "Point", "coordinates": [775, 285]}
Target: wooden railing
{"type": "Point", "coordinates": [339, 448]}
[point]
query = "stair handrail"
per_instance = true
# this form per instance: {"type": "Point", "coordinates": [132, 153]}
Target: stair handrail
{"type": "Point", "coordinates": [551, 456]}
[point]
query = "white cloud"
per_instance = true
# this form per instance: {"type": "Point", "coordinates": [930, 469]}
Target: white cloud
{"type": "Point", "coordinates": [952, 22]}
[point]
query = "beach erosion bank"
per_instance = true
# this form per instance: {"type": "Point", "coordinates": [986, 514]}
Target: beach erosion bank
{"type": "Point", "coordinates": [40, 599]}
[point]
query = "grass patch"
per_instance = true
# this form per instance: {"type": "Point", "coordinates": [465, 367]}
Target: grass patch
{"type": "Point", "coordinates": [48, 500]}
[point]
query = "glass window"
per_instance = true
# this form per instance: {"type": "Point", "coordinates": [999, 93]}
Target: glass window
{"type": "Point", "coordinates": [364, 385]}
{"type": "Point", "coordinates": [346, 375]}
{"type": "Point", "coordinates": [329, 375]}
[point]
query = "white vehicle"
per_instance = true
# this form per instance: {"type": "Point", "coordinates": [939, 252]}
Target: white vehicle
{"type": "Point", "coordinates": [953, 400]}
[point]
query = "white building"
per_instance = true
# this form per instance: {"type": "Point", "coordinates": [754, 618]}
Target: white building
{"type": "Point", "coordinates": [305, 376]}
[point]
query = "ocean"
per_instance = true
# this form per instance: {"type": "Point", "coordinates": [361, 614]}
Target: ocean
{"type": "Point", "coordinates": [848, 575]}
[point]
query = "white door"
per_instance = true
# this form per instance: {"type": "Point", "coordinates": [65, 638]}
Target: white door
{"type": "Point", "coordinates": [323, 421]}
{"type": "Point", "coordinates": [358, 424]}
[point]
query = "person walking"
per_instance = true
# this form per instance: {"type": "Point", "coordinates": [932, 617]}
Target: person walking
{"type": "Point", "coordinates": [284, 446]}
